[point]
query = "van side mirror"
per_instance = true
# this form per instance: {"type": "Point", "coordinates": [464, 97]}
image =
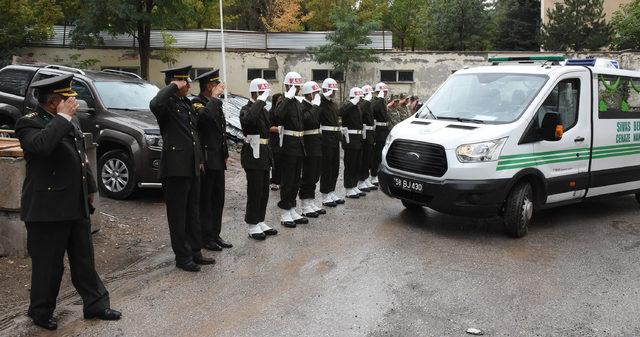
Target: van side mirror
{"type": "Point", "coordinates": [551, 128]}
{"type": "Point", "coordinates": [84, 107]}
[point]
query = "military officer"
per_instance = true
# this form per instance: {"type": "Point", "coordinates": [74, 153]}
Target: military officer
{"type": "Point", "coordinates": [274, 142]}
{"type": "Point", "coordinates": [212, 129]}
{"type": "Point", "coordinates": [57, 197]}
{"type": "Point", "coordinates": [181, 165]}
{"type": "Point", "coordinates": [381, 116]}
{"type": "Point", "coordinates": [313, 150]}
{"type": "Point", "coordinates": [368, 141]}
{"type": "Point", "coordinates": [289, 113]}
{"type": "Point", "coordinates": [256, 158]}
{"type": "Point", "coordinates": [330, 127]}
{"type": "Point", "coordinates": [352, 142]}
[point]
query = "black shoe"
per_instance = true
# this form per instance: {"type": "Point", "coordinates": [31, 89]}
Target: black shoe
{"type": "Point", "coordinates": [310, 215]}
{"type": "Point", "coordinates": [329, 204]}
{"type": "Point", "coordinates": [258, 236]}
{"type": "Point", "coordinates": [105, 315]}
{"type": "Point", "coordinates": [355, 196]}
{"type": "Point", "coordinates": [339, 201]}
{"type": "Point", "coordinates": [362, 194]}
{"type": "Point", "coordinates": [373, 188]}
{"type": "Point", "coordinates": [302, 221]}
{"type": "Point", "coordinates": [288, 224]}
{"type": "Point", "coordinates": [213, 246]}
{"type": "Point", "coordinates": [375, 184]}
{"type": "Point", "coordinates": [270, 232]}
{"type": "Point", "coordinates": [47, 323]}
{"type": "Point", "coordinates": [201, 260]}
{"type": "Point", "coordinates": [365, 189]}
{"type": "Point", "coordinates": [189, 266]}
{"type": "Point", "coordinates": [223, 243]}
{"type": "Point", "coordinates": [321, 211]}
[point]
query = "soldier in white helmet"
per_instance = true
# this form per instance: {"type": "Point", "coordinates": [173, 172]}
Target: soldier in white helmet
{"type": "Point", "coordinates": [313, 150]}
{"type": "Point", "coordinates": [256, 158]}
{"type": "Point", "coordinates": [352, 142]}
{"type": "Point", "coordinates": [368, 140]}
{"type": "Point", "coordinates": [331, 133]}
{"type": "Point", "coordinates": [290, 116]}
{"type": "Point", "coordinates": [381, 116]}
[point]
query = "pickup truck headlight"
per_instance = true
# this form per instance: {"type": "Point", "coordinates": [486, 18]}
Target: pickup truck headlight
{"type": "Point", "coordinates": [480, 152]}
{"type": "Point", "coordinates": [154, 141]}
{"type": "Point", "coordinates": [389, 139]}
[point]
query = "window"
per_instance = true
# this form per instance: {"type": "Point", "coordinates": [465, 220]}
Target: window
{"type": "Point", "coordinates": [618, 97]}
{"type": "Point", "coordinates": [15, 81]}
{"type": "Point", "coordinates": [83, 93]}
{"type": "Point", "coordinates": [563, 99]}
{"type": "Point", "coordinates": [267, 74]}
{"type": "Point", "coordinates": [135, 70]}
{"type": "Point", "coordinates": [320, 75]}
{"type": "Point", "coordinates": [396, 75]}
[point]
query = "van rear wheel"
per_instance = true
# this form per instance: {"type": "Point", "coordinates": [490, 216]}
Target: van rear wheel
{"type": "Point", "coordinates": [411, 206]}
{"type": "Point", "coordinates": [518, 210]}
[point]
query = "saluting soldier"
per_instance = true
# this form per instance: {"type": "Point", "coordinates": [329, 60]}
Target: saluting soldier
{"type": "Point", "coordinates": [381, 116]}
{"type": "Point", "coordinates": [289, 113]}
{"type": "Point", "coordinates": [313, 150]}
{"type": "Point", "coordinates": [368, 140]}
{"type": "Point", "coordinates": [212, 129]}
{"type": "Point", "coordinates": [256, 158]}
{"type": "Point", "coordinates": [352, 142]}
{"type": "Point", "coordinates": [181, 165]}
{"type": "Point", "coordinates": [57, 197]}
{"type": "Point", "coordinates": [331, 133]}
{"type": "Point", "coordinates": [274, 143]}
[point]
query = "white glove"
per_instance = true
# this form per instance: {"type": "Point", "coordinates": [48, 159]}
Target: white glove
{"type": "Point", "coordinates": [291, 93]}
{"type": "Point", "coordinates": [328, 94]}
{"type": "Point", "coordinates": [355, 100]}
{"type": "Point", "coordinates": [369, 96]}
{"type": "Point", "coordinates": [316, 100]}
{"type": "Point", "coordinates": [263, 97]}
{"type": "Point", "coordinates": [381, 94]}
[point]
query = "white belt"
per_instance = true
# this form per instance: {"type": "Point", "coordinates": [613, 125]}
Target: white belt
{"type": "Point", "coordinates": [312, 132]}
{"type": "Point", "coordinates": [293, 133]}
{"type": "Point", "coordinates": [330, 128]}
{"type": "Point", "coordinates": [255, 141]}
{"type": "Point", "coordinates": [369, 128]}
{"type": "Point", "coordinates": [382, 124]}
{"type": "Point", "coordinates": [354, 132]}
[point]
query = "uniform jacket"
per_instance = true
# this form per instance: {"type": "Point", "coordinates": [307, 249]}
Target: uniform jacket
{"type": "Point", "coordinates": [312, 143]}
{"type": "Point", "coordinates": [367, 119]}
{"type": "Point", "coordinates": [274, 137]}
{"type": "Point", "coordinates": [181, 150]}
{"type": "Point", "coordinates": [289, 113]}
{"type": "Point", "coordinates": [58, 178]}
{"type": "Point", "coordinates": [254, 119]}
{"type": "Point", "coordinates": [351, 119]}
{"type": "Point", "coordinates": [329, 117]}
{"type": "Point", "coordinates": [380, 114]}
{"type": "Point", "coordinates": [212, 129]}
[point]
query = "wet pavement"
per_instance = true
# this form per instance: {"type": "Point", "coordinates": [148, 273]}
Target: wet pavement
{"type": "Point", "coordinates": [371, 268]}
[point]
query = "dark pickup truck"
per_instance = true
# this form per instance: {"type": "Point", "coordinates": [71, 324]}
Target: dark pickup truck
{"type": "Point", "coordinates": [114, 107]}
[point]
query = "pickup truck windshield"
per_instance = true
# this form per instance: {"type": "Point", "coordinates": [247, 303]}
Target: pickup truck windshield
{"type": "Point", "coordinates": [483, 98]}
{"type": "Point", "coordinates": [126, 95]}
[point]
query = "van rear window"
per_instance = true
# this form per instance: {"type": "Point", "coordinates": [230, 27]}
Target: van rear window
{"type": "Point", "coordinates": [618, 97]}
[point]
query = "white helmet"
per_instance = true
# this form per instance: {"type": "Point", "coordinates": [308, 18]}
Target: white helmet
{"type": "Point", "coordinates": [310, 87]}
{"type": "Point", "coordinates": [293, 78]}
{"type": "Point", "coordinates": [381, 87]}
{"type": "Point", "coordinates": [330, 84]}
{"type": "Point", "coordinates": [366, 89]}
{"type": "Point", "coordinates": [355, 92]}
{"type": "Point", "coordinates": [258, 85]}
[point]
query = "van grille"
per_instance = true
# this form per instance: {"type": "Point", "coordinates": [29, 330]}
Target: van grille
{"type": "Point", "coordinates": [431, 159]}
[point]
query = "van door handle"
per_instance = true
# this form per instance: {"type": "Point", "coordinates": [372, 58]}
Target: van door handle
{"type": "Point", "coordinates": [579, 140]}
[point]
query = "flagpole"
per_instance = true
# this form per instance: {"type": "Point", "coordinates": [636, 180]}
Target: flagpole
{"type": "Point", "coordinates": [224, 65]}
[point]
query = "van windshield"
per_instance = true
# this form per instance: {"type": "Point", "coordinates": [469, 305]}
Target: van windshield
{"type": "Point", "coordinates": [483, 98]}
{"type": "Point", "coordinates": [126, 95]}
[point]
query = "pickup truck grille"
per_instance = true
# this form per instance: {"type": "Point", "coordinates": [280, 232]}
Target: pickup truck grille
{"type": "Point", "coordinates": [417, 157]}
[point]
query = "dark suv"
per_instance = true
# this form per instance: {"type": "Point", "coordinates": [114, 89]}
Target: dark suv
{"type": "Point", "coordinates": [116, 113]}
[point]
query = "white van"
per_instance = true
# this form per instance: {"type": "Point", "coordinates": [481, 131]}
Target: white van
{"type": "Point", "coordinates": [522, 134]}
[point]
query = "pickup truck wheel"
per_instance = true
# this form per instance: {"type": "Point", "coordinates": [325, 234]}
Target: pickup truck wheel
{"type": "Point", "coordinates": [116, 177]}
{"type": "Point", "coordinates": [411, 206]}
{"type": "Point", "coordinates": [518, 210]}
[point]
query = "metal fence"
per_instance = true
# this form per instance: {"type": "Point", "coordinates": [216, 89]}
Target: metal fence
{"type": "Point", "coordinates": [234, 39]}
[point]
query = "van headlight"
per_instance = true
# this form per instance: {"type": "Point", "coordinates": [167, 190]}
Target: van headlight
{"type": "Point", "coordinates": [154, 141]}
{"type": "Point", "coordinates": [480, 152]}
{"type": "Point", "coordinates": [389, 139]}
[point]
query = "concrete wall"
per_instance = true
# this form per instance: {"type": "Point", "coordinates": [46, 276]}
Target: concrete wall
{"type": "Point", "coordinates": [430, 68]}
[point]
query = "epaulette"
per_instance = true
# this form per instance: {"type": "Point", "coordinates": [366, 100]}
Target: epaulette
{"type": "Point", "coordinates": [31, 115]}
{"type": "Point", "coordinates": [198, 106]}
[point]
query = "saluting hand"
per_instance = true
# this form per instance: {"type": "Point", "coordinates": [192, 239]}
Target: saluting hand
{"type": "Point", "coordinates": [263, 97]}
{"type": "Point", "coordinates": [180, 84]}
{"type": "Point", "coordinates": [68, 107]}
{"type": "Point", "coordinates": [218, 90]}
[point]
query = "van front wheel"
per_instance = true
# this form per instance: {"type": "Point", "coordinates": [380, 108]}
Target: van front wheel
{"type": "Point", "coordinates": [518, 210]}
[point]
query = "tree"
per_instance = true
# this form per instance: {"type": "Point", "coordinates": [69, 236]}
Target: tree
{"type": "Point", "coordinates": [457, 25]}
{"type": "Point", "coordinates": [344, 50]}
{"type": "Point", "coordinates": [517, 25]}
{"type": "Point", "coordinates": [403, 18]}
{"type": "Point", "coordinates": [23, 22]}
{"type": "Point", "coordinates": [626, 26]}
{"type": "Point", "coordinates": [168, 54]}
{"type": "Point", "coordinates": [283, 16]}
{"type": "Point", "coordinates": [576, 25]}
{"type": "Point", "coordinates": [318, 14]}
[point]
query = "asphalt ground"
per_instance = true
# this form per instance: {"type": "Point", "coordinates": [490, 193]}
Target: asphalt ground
{"type": "Point", "coordinates": [372, 268]}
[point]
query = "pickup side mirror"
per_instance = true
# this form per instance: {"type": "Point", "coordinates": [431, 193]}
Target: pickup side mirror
{"type": "Point", "coordinates": [84, 107]}
{"type": "Point", "coordinates": [551, 128]}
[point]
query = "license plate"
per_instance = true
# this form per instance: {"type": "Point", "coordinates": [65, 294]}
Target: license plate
{"type": "Point", "coordinates": [408, 184]}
